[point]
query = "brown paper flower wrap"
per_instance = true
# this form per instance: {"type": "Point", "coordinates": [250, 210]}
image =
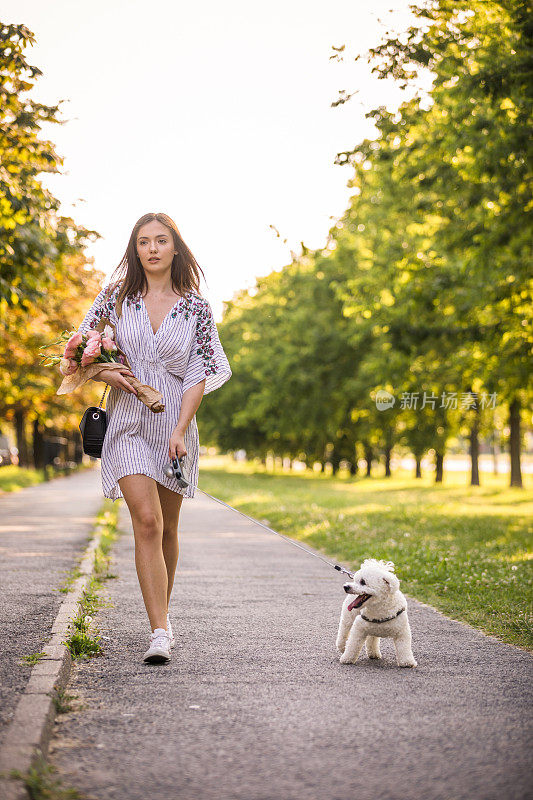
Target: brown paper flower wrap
{"type": "Point", "coordinates": [146, 394]}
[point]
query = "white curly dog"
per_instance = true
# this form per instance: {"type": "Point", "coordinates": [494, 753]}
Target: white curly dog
{"type": "Point", "coordinates": [379, 610]}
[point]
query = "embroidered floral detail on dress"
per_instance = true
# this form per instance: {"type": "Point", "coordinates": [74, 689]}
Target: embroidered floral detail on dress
{"type": "Point", "coordinates": [134, 301]}
{"type": "Point", "coordinates": [105, 309]}
{"type": "Point", "coordinates": [190, 304]}
{"type": "Point", "coordinates": [204, 327]}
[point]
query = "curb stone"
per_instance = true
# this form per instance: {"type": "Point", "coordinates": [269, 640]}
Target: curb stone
{"type": "Point", "coordinates": [28, 734]}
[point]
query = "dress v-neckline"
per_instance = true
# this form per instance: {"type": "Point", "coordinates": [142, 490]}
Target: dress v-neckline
{"type": "Point", "coordinates": [164, 318]}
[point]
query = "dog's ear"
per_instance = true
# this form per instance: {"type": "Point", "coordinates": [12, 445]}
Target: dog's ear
{"type": "Point", "coordinates": [392, 582]}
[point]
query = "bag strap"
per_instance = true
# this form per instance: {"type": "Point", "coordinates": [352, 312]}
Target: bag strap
{"type": "Point", "coordinates": [103, 396]}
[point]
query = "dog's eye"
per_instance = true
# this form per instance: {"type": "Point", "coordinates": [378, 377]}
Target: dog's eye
{"type": "Point", "coordinates": [362, 582]}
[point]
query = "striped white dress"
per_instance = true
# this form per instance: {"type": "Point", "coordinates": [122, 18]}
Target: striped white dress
{"type": "Point", "coordinates": [185, 350]}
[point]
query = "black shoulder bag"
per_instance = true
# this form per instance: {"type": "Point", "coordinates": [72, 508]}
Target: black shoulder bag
{"type": "Point", "coordinates": [92, 427]}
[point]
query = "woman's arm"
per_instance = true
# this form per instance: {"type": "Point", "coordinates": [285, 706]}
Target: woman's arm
{"type": "Point", "coordinates": [190, 402]}
{"type": "Point", "coordinates": [207, 369]}
{"type": "Point", "coordinates": [114, 377]}
{"type": "Point", "coordinates": [207, 360]}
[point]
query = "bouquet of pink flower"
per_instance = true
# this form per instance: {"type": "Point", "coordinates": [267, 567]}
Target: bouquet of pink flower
{"type": "Point", "coordinates": [93, 347]}
{"type": "Point", "coordinates": [84, 349]}
{"type": "Point", "coordinates": [87, 354]}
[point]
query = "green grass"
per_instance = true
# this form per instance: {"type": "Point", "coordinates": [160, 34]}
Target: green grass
{"type": "Point", "coordinates": [84, 640]}
{"type": "Point", "coordinates": [41, 785]}
{"type": "Point", "coordinates": [63, 700]}
{"type": "Point", "coordinates": [464, 550]}
{"type": "Point", "coordinates": [32, 659]}
{"type": "Point", "coordinates": [13, 478]}
{"type": "Point", "coordinates": [72, 575]}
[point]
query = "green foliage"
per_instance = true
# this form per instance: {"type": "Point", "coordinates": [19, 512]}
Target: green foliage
{"type": "Point", "coordinates": [72, 576]}
{"type": "Point", "coordinates": [63, 700]}
{"type": "Point", "coordinates": [84, 640]}
{"type": "Point", "coordinates": [13, 478]}
{"type": "Point", "coordinates": [32, 659]}
{"type": "Point", "coordinates": [41, 785]}
{"type": "Point", "coordinates": [43, 275]}
{"type": "Point", "coordinates": [33, 236]}
{"type": "Point", "coordinates": [454, 178]}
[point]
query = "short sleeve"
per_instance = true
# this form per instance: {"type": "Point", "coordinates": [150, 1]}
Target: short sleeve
{"type": "Point", "coordinates": [207, 358]}
{"type": "Point", "coordinates": [102, 306]}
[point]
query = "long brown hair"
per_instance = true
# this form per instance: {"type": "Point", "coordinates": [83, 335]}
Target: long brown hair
{"type": "Point", "coordinates": [184, 270]}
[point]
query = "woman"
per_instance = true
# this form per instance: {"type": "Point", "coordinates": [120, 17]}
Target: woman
{"type": "Point", "coordinates": [167, 331]}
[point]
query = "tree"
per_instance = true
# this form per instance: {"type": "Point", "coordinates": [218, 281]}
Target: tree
{"type": "Point", "coordinates": [33, 236]}
{"type": "Point", "coordinates": [458, 170]}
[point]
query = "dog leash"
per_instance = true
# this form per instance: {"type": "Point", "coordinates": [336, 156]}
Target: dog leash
{"type": "Point", "coordinates": [271, 530]}
{"type": "Point", "coordinates": [282, 535]}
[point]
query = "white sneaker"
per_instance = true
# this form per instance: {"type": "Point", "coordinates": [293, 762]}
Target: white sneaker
{"type": "Point", "coordinates": [169, 629]}
{"type": "Point", "coordinates": [159, 650]}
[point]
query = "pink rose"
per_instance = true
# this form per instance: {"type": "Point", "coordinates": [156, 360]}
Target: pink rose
{"type": "Point", "coordinates": [72, 344]}
{"type": "Point", "coordinates": [93, 347]}
{"type": "Point", "coordinates": [108, 344]}
{"type": "Point", "coordinates": [91, 352]}
{"type": "Point", "coordinates": [93, 335]}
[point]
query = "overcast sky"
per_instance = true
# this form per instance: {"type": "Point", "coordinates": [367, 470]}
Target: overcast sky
{"type": "Point", "coordinates": [218, 114]}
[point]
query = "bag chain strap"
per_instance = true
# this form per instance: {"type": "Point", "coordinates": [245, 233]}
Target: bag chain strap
{"type": "Point", "coordinates": [103, 396]}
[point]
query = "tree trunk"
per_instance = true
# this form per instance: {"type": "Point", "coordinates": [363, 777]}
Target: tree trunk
{"type": "Point", "coordinates": [38, 445]}
{"type": "Point", "coordinates": [439, 467]}
{"type": "Point", "coordinates": [78, 450]}
{"type": "Point", "coordinates": [388, 451]}
{"type": "Point", "coordinates": [368, 459]}
{"type": "Point", "coordinates": [494, 451]}
{"type": "Point", "coordinates": [474, 448]}
{"type": "Point", "coordinates": [354, 466]}
{"type": "Point", "coordinates": [335, 460]}
{"type": "Point", "coordinates": [22, 444]}
{"type": "Point", "coordinates": [418, 467]}
{"type": "Point", "coordinates": [514, 443]}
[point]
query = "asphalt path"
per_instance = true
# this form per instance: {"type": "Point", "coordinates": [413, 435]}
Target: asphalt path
{"type": "Point", "coordinates": [43, 529]}
{"type": "Point", "coordinates": [255, 705]}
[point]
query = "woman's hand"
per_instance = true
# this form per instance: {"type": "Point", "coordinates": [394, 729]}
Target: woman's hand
{"type": "Point", "coordinates": [176, 446]}
{"type": "Point", "coordinates": [115, 377]}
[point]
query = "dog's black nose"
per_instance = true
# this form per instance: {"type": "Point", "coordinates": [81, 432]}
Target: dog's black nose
{"type": "Point", "coordinates": [347, 587]}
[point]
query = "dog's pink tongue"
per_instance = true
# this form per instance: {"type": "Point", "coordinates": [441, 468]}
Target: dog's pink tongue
{"type": "Point", "coordinates": [359, 600]}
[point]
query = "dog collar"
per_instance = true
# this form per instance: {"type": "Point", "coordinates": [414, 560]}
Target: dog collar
{"type": "Point", "coordinates": [386, 619]}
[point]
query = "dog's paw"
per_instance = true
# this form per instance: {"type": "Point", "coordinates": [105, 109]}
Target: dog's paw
{"type": "Point", "coordinates": [340, 650]}
{"type": "Point", "coordinates": [345, 659]}
{"type": "Point", "coordinates": [412, 663]}
{"type": "Point", "coordinates": [375, 655]}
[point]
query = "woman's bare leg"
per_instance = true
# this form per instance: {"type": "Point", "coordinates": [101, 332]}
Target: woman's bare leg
{"type": "Point", "coordinates": [142, 499]}
{"type": "Point", "coordinates": [170, 506]}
